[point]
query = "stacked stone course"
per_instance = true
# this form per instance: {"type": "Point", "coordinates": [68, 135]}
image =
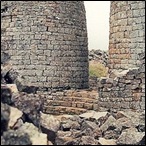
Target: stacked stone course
{"type": "Point", "coordinates": [69, 101]}
{"type": "Point", "coordinates": [47, 41]}
{"type": "Point", "coordinates": [127, 34]}
{"type": "Point", "coordinates": [124, 90]}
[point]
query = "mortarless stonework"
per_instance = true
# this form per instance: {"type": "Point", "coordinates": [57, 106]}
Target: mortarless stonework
{"type": "Point", "coordinates": [124, 88]}
{"type": "Point", "coordinates": [127, 33]}
{"type": "Point", "coordinates": [47, 41]}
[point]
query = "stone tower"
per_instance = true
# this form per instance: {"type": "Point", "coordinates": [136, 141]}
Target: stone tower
{"type": "Point", "coordinates": [127, 33]}
{"type": "Point", "coordinates": [47, 41]}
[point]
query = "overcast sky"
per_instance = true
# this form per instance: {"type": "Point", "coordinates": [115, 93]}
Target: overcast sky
{"type": "Point", "coordinates": [97, 15]}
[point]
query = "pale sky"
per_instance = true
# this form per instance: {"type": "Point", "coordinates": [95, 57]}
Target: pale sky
{"type": "Point", "coordinates": [97, 15]}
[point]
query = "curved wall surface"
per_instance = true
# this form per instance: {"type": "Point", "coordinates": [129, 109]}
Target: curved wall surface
{"type": "Point", "coordinates": [47, 41]}
{"type": "Point", "coordinates": [127, 33]}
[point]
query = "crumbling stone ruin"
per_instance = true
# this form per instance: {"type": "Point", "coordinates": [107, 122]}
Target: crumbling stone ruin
{"type": "Point", "coordinates": [127, 34]}
{"type": "Point", "coordinates": [44, 51]}
{"type": "Point", "coordinates": [125, 86]}
{"type": "Point", "coordinates": [47, 42]}
{"type": "Point", "coordinates": [125, 89]}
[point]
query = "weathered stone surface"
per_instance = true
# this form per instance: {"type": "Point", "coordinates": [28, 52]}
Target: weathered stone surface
{"type": "Point", "coordinates": [109, 122]}
{"type": "Point", "coordinates": [104, 141]}
{"type": "Point", "coordinates": [30, 105]}
{"type": "Point", "coordinates": [126, 41]}
{"type": "Point", "coordinates": [13, 88]}
{"type": "Point", "coordinates": [5, 57]}
{"type": "Point", "coordinates": [47, 51]}
{"type": "Point", "coordinates": [50, 122]}
{"type": "Point", "coordinates": [126, 57]}
{"type": "Point", "coordinates": [111, 133]}
{"type": "Point", "coordinates": [64, 138]}
{"type": "Point", "coordinates": [49, 143]}
{"type": "Point", "coordinates": [36, 137]}
{"type": "Point", "coordinates": [5, 68]}
{"type": "Point", "coordinates": [130, 136]}
{"type": "Point", "coordinates": [69, 102]}
{"type": "Point", "coordinates": [16, 137]}
{"type": "Point", "coordinates": [93, 115]}
{"type": "Point", "coordinates": [89, 124]}
{"type": "Point", "coordinates": [136, 118]}
{"type": "Point", "coordinates": [5, 113]}
{"type": "Point", "coordinates": [69, 124]}
{"type": "Point", "coordinates": [123, 123]}
{"type": "Point", "coordinates": [49, 125]}
{"type": "Point", "coordinates": [11, 76]}
{"type": "Point", "coordinates": [15, 115]}
{"type": "Point", "coordinates": [64, 141]}
{"type": "Point", "coordinates": [125, 91]}
{"type": "Point", "coordinates": [6, 94]}
{"type": "Point", "coordinates": [88, 140]}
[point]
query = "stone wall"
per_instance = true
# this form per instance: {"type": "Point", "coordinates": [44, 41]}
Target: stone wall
{"type": "Point", "coordinates": [68, 101]}
{"type": "Point", "coordinates": [47, 42]}
{"type": "Point", "coordinates": [124, 90]}
{"type": "Point", "coordinates": [127, 33]}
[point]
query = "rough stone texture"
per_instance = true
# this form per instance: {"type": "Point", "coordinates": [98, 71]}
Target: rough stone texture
{"type": "Point", "coordinates": [125, 89]}
{"type": "Point", "coordinates": [5, 113]}
{"type": "Point", "coordinates": [6, 94]}
{"type": "Point", "coordinates": [15, 114]}
{"type": "Point", "coordinates": [30, 105]}
{"type": "Point", "coordinates": [127, 33]}
{"type": "Point", "coordinates": [99, 56]}
{"type": "Point", "coordinates": [36, 137]}
{"type": "Point", "coordinates": [104, 141]}
{"type": "Point", "coordinates": [130, 137]}
{"type": "Point", "coordinates": [92, 82]}
{"type": "Point", "coordinates": [16, 137]}
{"type": "Point", "coordinates": [47, 42]}
{"type": "Point", "coordinates": [69, 101]}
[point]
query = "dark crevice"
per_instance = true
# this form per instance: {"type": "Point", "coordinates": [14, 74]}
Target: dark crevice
{"type": "Point", "coordinates": [47, 28]}
{"type": "Point", "coordinates": [4, 9]}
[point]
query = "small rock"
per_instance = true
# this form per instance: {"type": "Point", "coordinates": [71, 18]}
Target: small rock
{"type": "Point", "coordinates": [5, 57]}
{"type": "Point", "coordinates": [36, 137]}
{"type": "Point", "coordinates": [15, 114]}
{"type": "Point", "coordinates": [13, 88]}
{"type": "Point", "coordinates": [123, 123]}
{"type": "Point", "coordinates": [6, 94]}
{"type": "Point", "coordinates": [109, 122]}
{"type": "Point", "coordinates": [88, 140]}
{"type": "Point", "coordinates": [89, 124]}
{"type": "Point", "coordinates": [5, 68]}
{"type": "Point", "coordinates": [5, 113]}
{"type": "Point", "coordinates": [93, 114]}
{"type": "Point", "coordinates": [16, 137]}
{"type": "Point", "coordinates": [64, 140]}
{"type": "Point", "coordinates": [130, 136]}
{"type": "Point", "coordinates": [104, 141]}
{"type": "Point", "coordinates": [69, 124]}
{"type": "Point", "coordinates": [49, 125]}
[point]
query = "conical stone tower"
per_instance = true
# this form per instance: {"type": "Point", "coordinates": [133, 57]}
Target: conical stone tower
{"type": "Point", "coordinates": [127, 34]}
{"type": "Point", "coordinates": [47, 41]}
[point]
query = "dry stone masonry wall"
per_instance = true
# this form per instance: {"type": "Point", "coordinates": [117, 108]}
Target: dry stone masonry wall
{"type": "Point", "coordinates": [125, 89]}
{"type": "Point", "coordinates": [47, 42]}
{"type": "Point", "coordinates": [127, 33]}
